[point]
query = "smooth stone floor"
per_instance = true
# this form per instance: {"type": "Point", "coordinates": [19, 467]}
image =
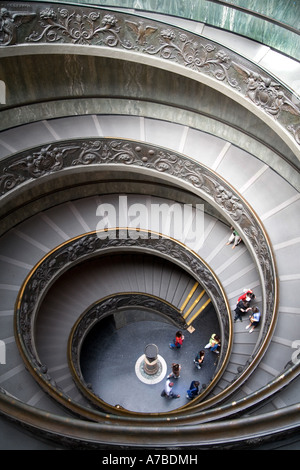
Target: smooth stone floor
{"type": "Point", "coordinates": [109, 356]}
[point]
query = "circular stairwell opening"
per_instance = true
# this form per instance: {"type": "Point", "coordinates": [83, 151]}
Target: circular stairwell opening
{"type": "Point", "coordinates": [112, 348]}
{"type": "Point", "coordinates": [103, 365]}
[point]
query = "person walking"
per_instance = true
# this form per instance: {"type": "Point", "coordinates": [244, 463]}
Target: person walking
{"type": "Point", "coordinates": [193, 391]}
{"type": "Point", "coordinates": [176, 368]}
{"type": "Point", "coordinates": [254, 319]}
{"type": "Point", "coordinates": [241, 308]}
{"type": "Point", "coordinates": [214, 343]}
{"type": "Point", "coordinates": [167, 391]}
{"type": "Point", "coordinates": [199, 359]}
{"type": "Point", "coordinates": [178, 341]}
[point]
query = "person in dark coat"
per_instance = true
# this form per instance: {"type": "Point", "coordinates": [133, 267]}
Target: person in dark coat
{"type": "Point", "coordinates": [199, 359]}
{"type": "Point", "coordinates": [193, 391]}
{"type": "Point", "coordinates": [241, 308]}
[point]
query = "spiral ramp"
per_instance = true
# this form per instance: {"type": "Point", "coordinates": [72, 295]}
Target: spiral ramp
{"type": "Point", "coordinates": [256, 396]}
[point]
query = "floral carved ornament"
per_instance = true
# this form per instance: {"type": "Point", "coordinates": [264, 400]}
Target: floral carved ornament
{"type": "Point", "coordinates": [98, 27]}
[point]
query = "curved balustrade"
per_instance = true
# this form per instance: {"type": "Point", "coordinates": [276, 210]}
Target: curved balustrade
{"type": "Point", "coordinates": [199, 179]}
{"type": "Point", "coordinates": [184, 417]}
{"type": "Point", "coordinates": [115, 34]}
{"type": "Point", "coordinates": [73, 432]}
{"type": "Point", "coordinates": [232, 409]}
{"type": "Point", "coordinates": [93, 244]}
{"type": "Point", "coordinates": [213, 422]}
{"type": "Point", "coordinates": [253, 21]}
{"type": "Point", "coordinates": [108, 153]}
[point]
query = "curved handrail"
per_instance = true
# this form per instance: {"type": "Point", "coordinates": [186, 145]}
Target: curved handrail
{"type": "Point", "coordinates": [179, 169]}
{"type": "Point", "coordinates": [72, 431]}
{"type": "Point", "coordinates": [92, 244]}
{"type": "Point", "coordinates": [183, 171]}
{"type": "Point", "coordinates": [116, 33]}
{"type": "Point", "coordinates": [266, 390]}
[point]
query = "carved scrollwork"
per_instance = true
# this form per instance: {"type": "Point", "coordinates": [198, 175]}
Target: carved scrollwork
{"type": "Point", "coordinates": [86, 26]}
{"type": "Point", "coordinates": [266, 93]}
{"type": "Point", "coordinates": [77, 26]}
{"type": "Point", "coordinates": [46, 160]}
{"type": "Point", "coordinates": [228, 202]}
{"type": "Point", "coordinates": [184, 49]}
{"type": "Point", "coordinates": [169, 163]}
{"type": "Point", "coordinates": [295, 130]}
{"type": "Point", "coordinates": [99, 152]}
{"type": "Point", "coordinates": [10, 21]}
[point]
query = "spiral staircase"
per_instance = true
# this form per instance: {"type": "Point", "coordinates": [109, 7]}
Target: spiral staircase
{"type": "Point", "coordinates": [101, 112]}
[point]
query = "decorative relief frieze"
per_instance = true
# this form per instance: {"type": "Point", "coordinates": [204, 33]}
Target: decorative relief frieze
{"type": "Point", "coordinates": [11, 18]}
{"type": "Point", "coordinates": [266, 93]}
{"type": "Point", "coordinates": [86, 26]}
{"type": "Point", "coordinates": [34, 165]}
{"type": "Point", "coordinates": [77, 27]}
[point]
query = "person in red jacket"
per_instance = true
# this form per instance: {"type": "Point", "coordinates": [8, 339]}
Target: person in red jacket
{"type": "Point", "coordinates": [247, 296]}
{"type": "Point", "coordinates": [178, 341]}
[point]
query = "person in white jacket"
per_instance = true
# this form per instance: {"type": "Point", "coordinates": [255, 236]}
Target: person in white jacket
{"type": "Point", "coordinates": [167, 391]}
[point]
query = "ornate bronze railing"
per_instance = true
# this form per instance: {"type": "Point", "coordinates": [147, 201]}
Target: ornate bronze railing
{"type": "Point", "coordinates": [93, 244]}
{"type": "Point", "coordinates": [199, 180]}
{"type": "Point", "coordinates": [35, 24]}
{"type": "Point", "coordinates": [242, 78]}
{"type": "Point", "coordinates": [29, 168]}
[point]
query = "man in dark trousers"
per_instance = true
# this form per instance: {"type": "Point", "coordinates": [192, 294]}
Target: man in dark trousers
{"type": "Point", "coordinates": [193, 391]}
{"type": "Point", "coordinates": [241, 308]}
{"type": "Point", "coordinates": [167, 391]}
